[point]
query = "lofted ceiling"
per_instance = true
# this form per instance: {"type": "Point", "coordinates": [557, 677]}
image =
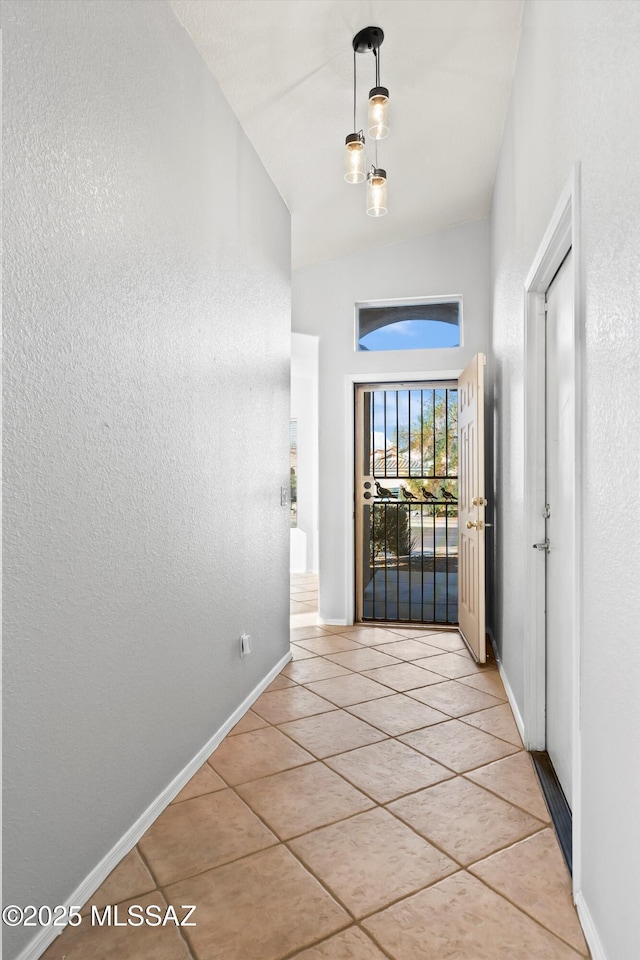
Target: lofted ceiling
{"type": "Point", "coordinates": [286, 68]}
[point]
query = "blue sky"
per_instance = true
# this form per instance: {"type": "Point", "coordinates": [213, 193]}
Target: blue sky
{"type": "Point", "coordinates": [412, 335]}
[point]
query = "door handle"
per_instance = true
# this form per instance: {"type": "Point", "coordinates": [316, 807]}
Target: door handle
{"type": "Point", "coordinates": [542, 546]}
{"type": "Point", "coordinates": [480, 502]}
{"type": "Point", "coordinates": [479, 525]}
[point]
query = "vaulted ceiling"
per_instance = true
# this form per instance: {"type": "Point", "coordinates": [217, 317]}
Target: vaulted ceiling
{"type": "Point", "coordinates": [286, 68]}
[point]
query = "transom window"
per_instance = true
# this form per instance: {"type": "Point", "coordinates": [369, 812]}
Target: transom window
{"type": "Point", "coordinates": [432, 323]}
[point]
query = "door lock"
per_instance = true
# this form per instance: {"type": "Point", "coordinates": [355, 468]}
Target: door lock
{"type": "Point", "coordinates": [480, 502]}
{"type": "Point", "coordinates": [542, 546]}
{"type": "Point", "coordinates": [479, 525]}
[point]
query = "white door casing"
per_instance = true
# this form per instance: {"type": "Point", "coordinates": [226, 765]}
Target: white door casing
{"type": "Point", "coordinates": [471, 507]}
{"type": "Point", "coordinates": [563, 233]}
{"type": "Point", "coordinates": [350, 382]}
{"type": "Point", "coordinates": [559, 499]}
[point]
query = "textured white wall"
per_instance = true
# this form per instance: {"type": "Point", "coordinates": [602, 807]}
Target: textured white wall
{"type": "Point", "coordinates": [304, 408]}
{"type": "Point", "coordinates": [147, 342]}
{"type": "Point", "coordinates": [454, 261]}
{"type": "Point", "coordinates": [576, 97]}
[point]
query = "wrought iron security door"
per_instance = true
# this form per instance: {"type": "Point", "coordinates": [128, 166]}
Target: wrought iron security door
{"type": "Point", "coordinates": [407, 503]}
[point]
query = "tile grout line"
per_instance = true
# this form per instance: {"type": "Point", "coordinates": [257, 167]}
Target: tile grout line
{"type": "Point", "coordinates": [286, 843]}
{"type": "Point", "coordinates": [376, 804]}
{"type": "Point", "coordinates": [399, 662]}
{"type": "Point", "coordinates": [519, 749]}
{"type": "Point", "coordinates": [360, 919]}
{"type": "Point", "coordinates": [518, 806]}
{"type": "Point", "coordinates": [329, 756]}
{"type": "Point", "coordinates": [385, 804]}
{"type": "Point", "coordinates": [520, 745]}
{"type": "Point", "coordinates": [518, 906]}
{"type": "Point", "coordinates": [316, 943]}
{"type": "Point", "coordinates": [183, 935]}
{"type": "Point", "coordinates": [446, 719]}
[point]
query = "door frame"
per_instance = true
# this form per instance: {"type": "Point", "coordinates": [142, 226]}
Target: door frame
{"type": "Point", "coordinates": [351, 379]}
{"type": "Point", "coordinates": [564, 232]}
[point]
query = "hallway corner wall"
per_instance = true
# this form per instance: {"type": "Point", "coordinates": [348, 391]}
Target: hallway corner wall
{"type": "Point", "coordinates": [304, 409]}
{"type": "Point", "coordinates": [147, 347]}
{"type": "Point", "coordinates": [576, 98]}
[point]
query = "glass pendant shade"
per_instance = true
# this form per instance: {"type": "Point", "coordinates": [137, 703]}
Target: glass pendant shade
{"type": "Point", "coordinates": [377, 192]}
{"type": "Point", "coordinates": [354, 158]}
{"type": "Point", "coordinates": [379, 113]}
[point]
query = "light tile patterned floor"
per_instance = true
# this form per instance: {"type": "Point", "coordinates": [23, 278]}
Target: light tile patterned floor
{"type": "Point", "coordinates": [374, 803]}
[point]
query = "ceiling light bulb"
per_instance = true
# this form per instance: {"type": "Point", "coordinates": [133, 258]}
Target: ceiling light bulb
{"type": "Point", "coordinates": [377, 192]}
{"type": "Point", "coordinates": [379, 113]}
{"type": "Point", "coordinates": [354, 158]}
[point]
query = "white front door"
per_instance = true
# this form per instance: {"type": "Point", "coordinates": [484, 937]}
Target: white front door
{"type": "Point", "coordinates": [559, 498]}
{"type": "Point", "coordinates": [471, 504]}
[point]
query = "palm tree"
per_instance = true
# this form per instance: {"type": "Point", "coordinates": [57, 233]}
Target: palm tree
{"type": "Point", "coordinates": [431, 441]}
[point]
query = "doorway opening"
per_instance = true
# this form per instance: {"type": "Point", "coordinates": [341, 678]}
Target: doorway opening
{"type": "Point", "coordinates": [407, 502]}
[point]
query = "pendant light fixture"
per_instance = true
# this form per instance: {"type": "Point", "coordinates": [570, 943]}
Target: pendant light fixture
{"type": "Point", "coordinates": [354, 158]}
{"type": "Point", "coordinates": [377, 192]}
{"type": "Point", "coordinates": [369, 40]}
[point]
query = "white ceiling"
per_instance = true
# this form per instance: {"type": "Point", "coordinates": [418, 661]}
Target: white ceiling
{"type": "Point", "coordinates": [286, 68]}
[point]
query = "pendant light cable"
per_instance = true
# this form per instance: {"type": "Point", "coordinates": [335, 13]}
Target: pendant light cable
{"type": "Point", "coordinates": [354, 91]}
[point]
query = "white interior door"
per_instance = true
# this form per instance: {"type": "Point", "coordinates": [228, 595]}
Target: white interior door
{"type": "Point", "coordinates": [559, 497]}
{"type": "Point", "coordinates": [471, 507]}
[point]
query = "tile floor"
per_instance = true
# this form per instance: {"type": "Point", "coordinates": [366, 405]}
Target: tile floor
{"type": "Point", "coordinates": [376, 802]}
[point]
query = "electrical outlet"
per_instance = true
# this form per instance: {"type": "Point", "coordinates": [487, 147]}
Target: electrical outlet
{"type": "Point", "coordinates": [245, 645]}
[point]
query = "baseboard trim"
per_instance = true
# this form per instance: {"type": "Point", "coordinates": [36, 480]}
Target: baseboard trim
{"type": "Point", "coordinates": [589, 929]}
{"type": "Point", "coordinates": [334, 623]}
{"type": "Point", "coordinates": [517, 716]}
{"type": "Point", "coordinates": [588, 926]}
{"type": "Point", "coordinates": [99, 874]}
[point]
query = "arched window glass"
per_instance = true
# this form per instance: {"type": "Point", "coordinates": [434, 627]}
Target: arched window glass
{"type": "Point", "coordinates": [428, 325]}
